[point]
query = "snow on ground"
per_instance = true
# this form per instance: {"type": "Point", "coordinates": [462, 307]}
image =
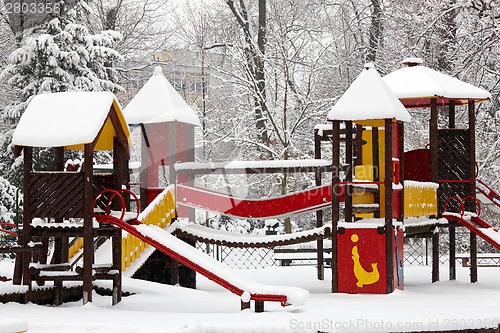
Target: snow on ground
{"type": "Point", "coordinates": [446, 305]}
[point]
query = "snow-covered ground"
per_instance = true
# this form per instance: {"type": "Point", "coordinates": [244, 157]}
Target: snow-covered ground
{"type": "Point", "coordinates": [446, 305]}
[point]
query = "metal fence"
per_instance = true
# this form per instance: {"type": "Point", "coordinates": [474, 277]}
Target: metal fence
{"type": "Point", "coordinates": [417, 251]}
{"type": "Point", "coordinates": [239, 258]}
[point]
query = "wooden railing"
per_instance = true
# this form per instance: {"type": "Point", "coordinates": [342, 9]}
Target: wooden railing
{"type": "Point", "coordinates": [56, 194]}
{"type": "Point", "coordinates": [160, 212]}
{"type": "Point", "coordinates": [420, 198]}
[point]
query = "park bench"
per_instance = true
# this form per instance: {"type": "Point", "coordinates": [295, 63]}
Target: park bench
{"type": "Point", "coordinates": [483, 259]}
{"type": "Point", "coordinates": [288, 256]}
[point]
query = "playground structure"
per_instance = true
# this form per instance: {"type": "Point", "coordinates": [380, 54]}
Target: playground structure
{"type": "Point", "coordinates": [384, 189]}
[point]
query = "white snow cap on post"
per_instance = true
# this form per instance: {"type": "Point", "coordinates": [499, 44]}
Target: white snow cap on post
{"type": "Point", "coordinates": [368, 97]}
{"type": "Point", "coordinates": [159, 102]}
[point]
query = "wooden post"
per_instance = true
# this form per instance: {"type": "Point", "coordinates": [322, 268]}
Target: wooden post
{"type": "Point", "coordinates": [88, 230]}
{"type": "Point", "coordinates": [60, 243]}
{"type": "Point", "coordinates": [319, 213]}
{"type": "Point", "coordinates": [376, 167]}
{"type": "Point", "coordinates": [259, 306]}
{"type": "Point", "coordinates": [473, 257]}
{"type": "Point", "coordinates": [453, 263]}
{"type": "Point", "coordinates": [146, 159]}
{"type": "Point", "coordinates": [472, 187]}
{"type": "Point", "coordinates": [451, 113]}
{"type": "Point", "coordinates": [435, 257]}
{"type": "Point", "coordinates": [335, 200]}
{"type": "Point", "coordinates": [388, 207]}
{"type": "Point", "coordinates": [348, 173]}
{"type": "Point", "coordinates": [472, 149]}
{"type": "Point", "coordinates": [402, 169]}
{"type": "Point", "coordinates": [245, 305]}
{"type": "Point", "coordinates": [359, 145]}
{"type": "Point", "coordinates": [28, 166]}
{"type": "Point", "coordinates": [452, 228]}
{"type": "Point", "coordinates": [434, 141]}
{"type": "Point", "coordinates": [117, 264]}
{"type": "Point", "coordinates": [174, 271]}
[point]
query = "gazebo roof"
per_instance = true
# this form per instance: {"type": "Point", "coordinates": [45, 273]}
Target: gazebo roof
{"type": "Point", "coordinates": [415, 85]}
{"type": "Point", "coordinates": [368, 98]}
{"type": "Point", "coordinates": [158, 102]}
{"type": "Point", "coordinates": [71, 120]}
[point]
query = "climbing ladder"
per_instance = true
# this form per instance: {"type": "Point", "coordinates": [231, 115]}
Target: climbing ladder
{"type": "Point", "coordinates": [160, 212]}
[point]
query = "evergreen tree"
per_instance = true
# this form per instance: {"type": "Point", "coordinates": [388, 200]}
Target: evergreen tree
{"type": "Point", "coordinates": [7, 201]}
{"type": "Point", "coordinates": [7, 210]}
{"type": "Point", "coordinates": [63, 55]}
{"type": "Point", "coordinates": [60, 55]}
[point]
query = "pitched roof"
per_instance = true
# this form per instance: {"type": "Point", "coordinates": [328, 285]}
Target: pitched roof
{"type": "Point", "coordinates": [70, 119]}
{"type": "Point", "coordinates": [367, 98]}
{"type": "Point", "coordinates": [416, 84]}
{"type": "Point", "coordinates": [158, 102]}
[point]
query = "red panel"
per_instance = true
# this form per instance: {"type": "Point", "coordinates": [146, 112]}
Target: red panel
{"type": "Point", "coordinates": [156, 153]}
{"type": "Point", "coordinates": [396, 204]}
{"type": "Point", "coordinates": [358, 274]}
{"type": "Point", "coordinates": [396, 133]}
{"type": "Point", "coordinates": [417, 165]}
{"type": "Point", "coordinates": [153, 192]}
{"type": "Point", "coordinates": [426, 101]}
{"type": "Point", "coordinates": [361, 252]}
{"type": "Point", "coordinates": [312, 199]}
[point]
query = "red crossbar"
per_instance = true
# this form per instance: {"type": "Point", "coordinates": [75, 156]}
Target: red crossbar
{"type": "Point", "coordinates": [308, 200]}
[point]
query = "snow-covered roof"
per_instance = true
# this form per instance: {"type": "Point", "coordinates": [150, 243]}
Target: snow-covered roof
{"type": "Point", "coordinates": [367, 98]}
{"type": "Point", "coordinates": [70, 120]}
{"type": "Point", "coordinates": [158, 102]}
{"type": "Point", "coordinates": [416, 84]}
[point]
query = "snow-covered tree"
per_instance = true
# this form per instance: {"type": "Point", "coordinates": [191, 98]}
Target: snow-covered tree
{"type": "Point", "coordinates": [7, 209]}
{"type": "Point", "coordinates": [7, 201]}
{"type": "Point", "coordinates": [62, 56]}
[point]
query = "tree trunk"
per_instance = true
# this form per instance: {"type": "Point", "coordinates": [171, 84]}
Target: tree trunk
{"type": "Point", "coordinates": [376, 30]}
{"type": "Point", "coordinates": [255, 60]}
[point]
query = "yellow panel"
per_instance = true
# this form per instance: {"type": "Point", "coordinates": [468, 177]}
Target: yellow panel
{"type": "Point", "coordinates": [420, 200]}
{"type": "Point", "coordinates": [367, 150]}
{"type": "Point", "coordinates": [371, 123]}
{"type": "Point", "coordinates": [160, 215]}
{"type": "Point", "coordinates": [364, 172]}
{"type": "Point", "coordinates": [108, 132]}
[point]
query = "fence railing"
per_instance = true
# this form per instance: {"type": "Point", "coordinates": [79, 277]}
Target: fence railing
{"type": "Point", "coordinates": [417, 251]}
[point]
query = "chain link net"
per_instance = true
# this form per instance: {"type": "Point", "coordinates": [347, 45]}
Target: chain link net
{"type": "Point", "coordinates": [240, 258]}
{"type": "Point", "coordinates": [417, 251]}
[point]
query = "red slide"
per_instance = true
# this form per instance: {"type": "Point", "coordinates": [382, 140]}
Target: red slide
{"type": "Point", "coordinates": [488, 192]}
{"type": "Point", "coordinates": [308, 200]}
{"type": "Point", "coordinates": [207, 266]}
{"type": "Point", "coordinates": [477, 225]}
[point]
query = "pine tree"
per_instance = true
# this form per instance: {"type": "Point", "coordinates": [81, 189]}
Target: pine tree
{"type": "Point", "coordinates": [58, 56]}
{"type": "Point", "coordinates": [63, 55]}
